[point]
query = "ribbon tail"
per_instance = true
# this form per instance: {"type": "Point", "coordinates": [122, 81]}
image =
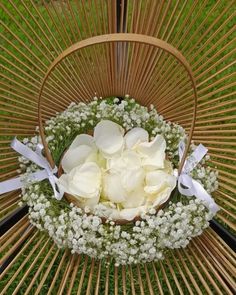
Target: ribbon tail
{"type": "Point", "coordinates": [37, 158]}
{"type": "Point", "coordinates": [57, 189]}
{"type": "Point", "coordinates": [10, 185]}
{"type": "Point", "coordinates": [196, 156]}
{"type": "Point", "coordinates": [17, 183]}
{"type": "Point", "coordinates": [194, 188]}
{"type": "Point", "coordinates": [186, 181]}
{"type": "Point", "coordinates": [203, 195]}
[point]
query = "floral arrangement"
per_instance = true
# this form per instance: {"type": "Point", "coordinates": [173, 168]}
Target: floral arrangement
{"type": "Point", "coordinates": [126, 175]}
{"type": "Point", "coordinates": [119, 162]}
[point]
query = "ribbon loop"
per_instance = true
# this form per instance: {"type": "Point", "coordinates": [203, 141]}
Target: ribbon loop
{"type": "Point", "coordinates": [189, 186]}
{"type": "Point", "coordinates": [186, 181]}
{"type": "Point", "coordinates": [37, 158]}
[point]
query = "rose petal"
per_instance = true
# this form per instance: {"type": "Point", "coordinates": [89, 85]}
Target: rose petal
{"type": "Point", "coordinates": [83, 181]}
{"type": "Point", "coordinates": [168, 167]}
{"type": "Point", "coordinates": [135, 198]}
{"type": "Point", "coordinates": [91, 202]}
{"type": "Point", "coordinates": [131, 213]}
{"type": "Point", "coordinates": [158, 180]}
{"type": "Point", "coordinates": [108, 137]}
{"type": "Point", "coordinates": [127, 159]}
{"type": "Point", "coordinates": [155, 180]}
{"type": "Point", "coordinates": [135, 136]}
{"type": "Point", "coordinates": [100, 160]}
{"type": "Point", "coordinates": [107, 204]}
{"type": "Point", "coordinates": [162, 197]}
{"type": "Point", "coordinates": [159, 187]}
{"type": "Point", "coordinates": [132, 178]}
{"type": "Point", "coordinates": [82, 147]}
{"type": "Point", "coordinates": [153, 152]}
{"type": "Point", "coordinates": [75, 157]}
{"type": "Point", "coordinates": [113, 214]}
{"type": "Point", "coordinates": [112, 188]}
{"type": "Point", "coordinates": [83, 139]}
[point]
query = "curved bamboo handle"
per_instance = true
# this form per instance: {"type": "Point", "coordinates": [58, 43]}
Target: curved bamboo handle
{"type": "Point", "coordinates": [119, 37]}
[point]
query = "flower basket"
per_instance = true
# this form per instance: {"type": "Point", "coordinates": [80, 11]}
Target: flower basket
{"type": "Point", "coordinates": [125, 173]}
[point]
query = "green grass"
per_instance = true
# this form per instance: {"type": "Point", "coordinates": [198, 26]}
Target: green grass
{"type": "Point", "coordinates": [41, 260]}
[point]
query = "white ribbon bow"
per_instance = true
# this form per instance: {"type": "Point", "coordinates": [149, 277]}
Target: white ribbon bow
{"type": "Point", "coordinates": [191, 186]}
{"type": "Point", "coordinates": [37, 158]}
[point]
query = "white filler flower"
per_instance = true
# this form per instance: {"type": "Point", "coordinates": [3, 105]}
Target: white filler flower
{"type": "Point", "coordinates": [128, 174]}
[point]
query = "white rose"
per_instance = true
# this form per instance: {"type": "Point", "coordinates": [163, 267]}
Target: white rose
{"type": "Point", "coordinates": [135, 136]}
{"type": "Point", "coordinates": [127, 213]}
{"type": "Point", "coordinates": [132, 178]}
{"type": "Point", "coordinates": [91, 202]}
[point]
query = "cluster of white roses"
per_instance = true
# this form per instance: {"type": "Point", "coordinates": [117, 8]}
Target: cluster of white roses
{"type": "Point", "coordinates": [126, 173]}
{"type": "Point", "coordinates": [83, 232]}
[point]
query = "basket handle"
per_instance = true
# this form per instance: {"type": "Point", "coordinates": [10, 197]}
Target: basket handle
{"type": "Point", "coordinates": [119, 37]}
